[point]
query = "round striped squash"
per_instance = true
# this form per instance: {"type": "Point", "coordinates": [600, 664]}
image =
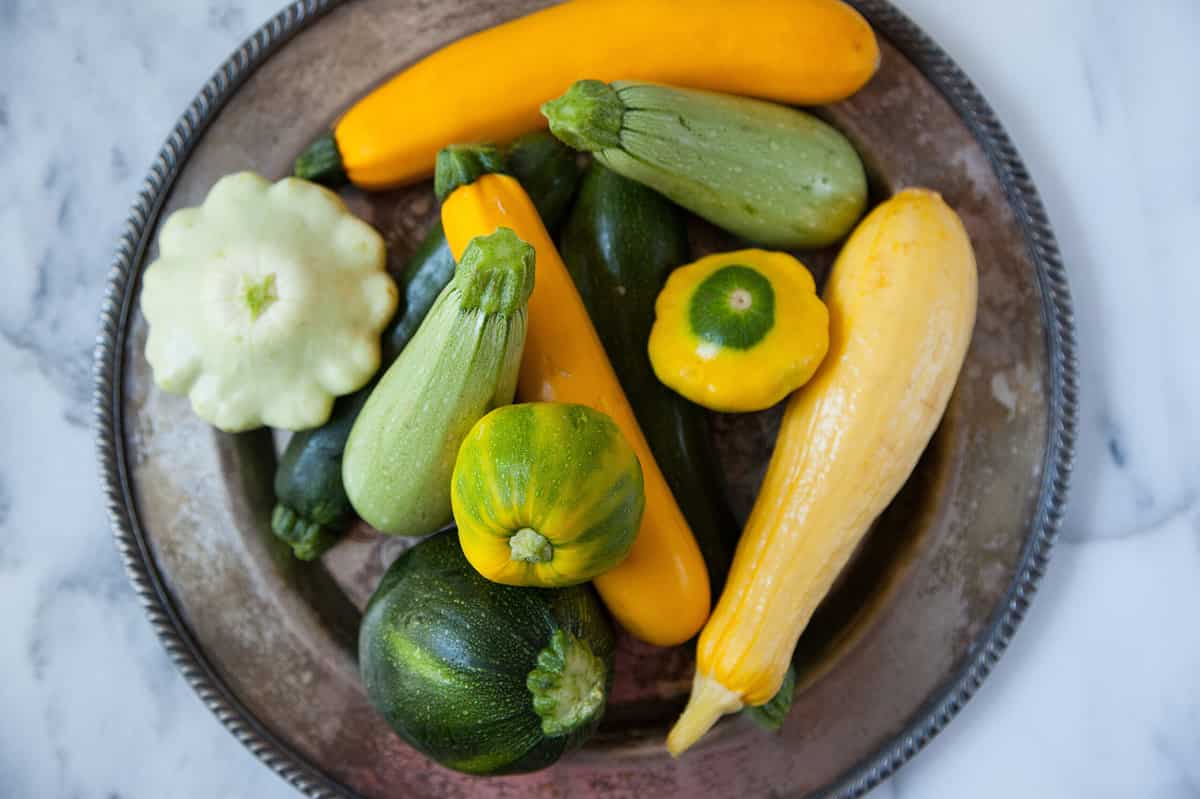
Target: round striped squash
{"type": "Point", "coordinates": [546, 494]}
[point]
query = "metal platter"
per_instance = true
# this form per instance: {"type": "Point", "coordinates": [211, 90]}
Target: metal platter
{"type": "Point", "coordinates": [926, 608]}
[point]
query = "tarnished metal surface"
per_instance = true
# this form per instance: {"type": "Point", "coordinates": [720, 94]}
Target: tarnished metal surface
{"type": "Point", "coordinates": [926, 607]}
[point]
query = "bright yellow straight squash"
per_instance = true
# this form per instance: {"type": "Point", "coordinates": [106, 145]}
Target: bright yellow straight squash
{"type": "Point", "coordinates": [489, 86]}
{"type": "Point", "coordinates": [901, 302]}
{"type": "Point", "coordinates": [660, 591]}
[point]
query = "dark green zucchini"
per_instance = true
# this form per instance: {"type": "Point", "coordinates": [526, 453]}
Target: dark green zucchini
{"type": "Point", "coordinates": [549, 173]}
{"type": "Point", "coordinates": [482, 677]}
{"type": "Point", "coordinates": [312, 509]}
{"type": "Point", "coordinates": [619, 243]}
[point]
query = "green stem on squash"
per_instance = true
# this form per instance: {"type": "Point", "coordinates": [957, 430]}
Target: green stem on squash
{"type": "Point", "coordinates": [308, 539]}
{"type": "Point", "coordinates": [495, 273]}
{"type": "Point", "coordinates": [321, 162]}
{"type": "Point", "coordinates": [588, 117]}
{"type": "Point", "coordinates": [463, 164]}
{"type": "Point", "coordinates": [733, 307]}
{"type": "Point", "coordinates": [567, 685]}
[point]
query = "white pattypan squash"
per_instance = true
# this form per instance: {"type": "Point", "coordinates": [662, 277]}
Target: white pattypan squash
{"type": "Point", "coordinates": [265, 303]}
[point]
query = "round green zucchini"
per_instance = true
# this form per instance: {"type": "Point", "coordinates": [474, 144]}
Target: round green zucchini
{"type": "Point", "coordinates": [481, 677]}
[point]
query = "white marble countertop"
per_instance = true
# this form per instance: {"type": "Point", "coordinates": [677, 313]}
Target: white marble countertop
{"type": "Point", "coordinates": [1099, 695]}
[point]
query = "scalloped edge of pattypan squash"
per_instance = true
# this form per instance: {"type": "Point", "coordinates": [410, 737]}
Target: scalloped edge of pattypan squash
{"type": "Point", "coordinates": [265, 303]}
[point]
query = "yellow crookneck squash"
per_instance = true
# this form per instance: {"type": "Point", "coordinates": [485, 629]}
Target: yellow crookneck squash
{"type": "Point", "coordinates": [490, 85]}
{"type": "Point", "coordinates": [660, 592]}
{"type": "Point", "coordinates": [901, 302]}
{"type": "Point", "coordinates": [738, 331]}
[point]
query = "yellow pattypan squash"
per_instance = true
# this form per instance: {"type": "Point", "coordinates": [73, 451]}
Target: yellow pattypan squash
{"type": "Point", "coordinates": [265, 303]}
{"type": "Point", "coordinates": [739, 331]}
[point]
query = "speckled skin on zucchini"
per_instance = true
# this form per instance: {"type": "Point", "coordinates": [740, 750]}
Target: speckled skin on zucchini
{"type": "Point", "coordinates": [768, 173]}
{"type": "Point", "coordinates": [461, 363]}
{"type": "Point", "coordinates": [483, 678]}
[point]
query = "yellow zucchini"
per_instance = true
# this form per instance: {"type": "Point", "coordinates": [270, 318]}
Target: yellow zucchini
{"type": "Point", "coordinates": [489, 86]}
{"type": "Point", "coordinates": [901, 302]}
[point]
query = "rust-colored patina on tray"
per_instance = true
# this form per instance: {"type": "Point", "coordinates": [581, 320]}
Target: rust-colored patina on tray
{"type": "Point", "coordinates": [926, 607]}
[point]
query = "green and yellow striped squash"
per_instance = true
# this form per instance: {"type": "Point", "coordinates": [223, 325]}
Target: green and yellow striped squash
{"type": "Point", "coordinates": [546, 494]}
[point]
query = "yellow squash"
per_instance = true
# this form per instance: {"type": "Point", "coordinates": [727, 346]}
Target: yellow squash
{"type": "Point", "coordinates": [660, 592]}
{"type": "Point", "coordinates": [489, 86]}
{"type": "Point", "coordinates": [738, 331]}
{"type": "Point", "coordinates": [901, 303]}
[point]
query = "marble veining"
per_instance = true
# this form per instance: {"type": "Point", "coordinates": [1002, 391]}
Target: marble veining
{"type": "Point", "coordinates": [1099, 695]}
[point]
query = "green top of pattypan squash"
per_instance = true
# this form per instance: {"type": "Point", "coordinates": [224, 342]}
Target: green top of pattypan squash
{"type": "Point", "coordinates": [265, 303]}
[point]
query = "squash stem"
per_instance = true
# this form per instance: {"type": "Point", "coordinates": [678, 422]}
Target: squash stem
{"type": "Point", "coordinates": [321, 162]}
{"type": "Point", "coordinates": [709, 701]}
{"type": "Point", "coordinates": [462, 164]}
{"type": "Point", "coordinates": [567, 685]}
{"type": "Point", "coordinates": [530, 546]}
{"type": "Point", "coordinates": [307, 538]}
{"type": "Point", "coordinates": [588, 117]}
{"type": "Point", "coordinates": [495, 274]}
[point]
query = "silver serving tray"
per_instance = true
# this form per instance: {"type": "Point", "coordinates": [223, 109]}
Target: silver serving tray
{"type": "Point", "coordinates": [919, 619]}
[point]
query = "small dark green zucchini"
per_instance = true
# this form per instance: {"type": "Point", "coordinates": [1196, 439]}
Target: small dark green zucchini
{"type": "Point", "coordinates": [312, 510]}
{"type": "Point", "coordinates": [619, 243]}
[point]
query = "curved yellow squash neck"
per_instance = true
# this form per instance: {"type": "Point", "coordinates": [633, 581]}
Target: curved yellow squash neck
{"type": "Point", "coordinates": [901, 302]}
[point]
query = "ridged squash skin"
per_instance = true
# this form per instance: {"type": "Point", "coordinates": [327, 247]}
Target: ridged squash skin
{"type": "Point", "coordinates": [901, 299]}
{"type": "Point", "coordinates": [488, 86]}
{"type": "Point", "coordinates": [265, 303]}
{"type": "Point", "coordinates": [660, 592]}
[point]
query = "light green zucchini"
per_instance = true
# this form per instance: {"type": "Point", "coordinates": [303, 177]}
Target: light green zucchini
{"type": "Point", "coordinates": [461, 363]}
{"type": "Point", "coordinates": [766, 172]}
